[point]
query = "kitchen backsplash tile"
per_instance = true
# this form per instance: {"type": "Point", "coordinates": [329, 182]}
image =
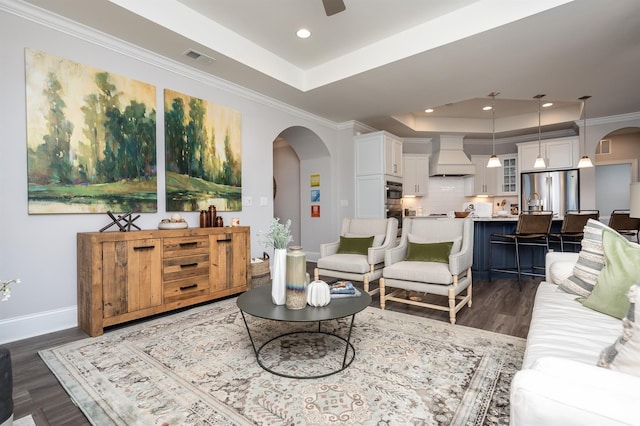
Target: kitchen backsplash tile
{"type": "Point", "coordinates": [447, 194]}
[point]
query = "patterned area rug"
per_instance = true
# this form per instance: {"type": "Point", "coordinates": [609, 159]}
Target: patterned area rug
{"type": "Point", "coordinates": [197, 367]}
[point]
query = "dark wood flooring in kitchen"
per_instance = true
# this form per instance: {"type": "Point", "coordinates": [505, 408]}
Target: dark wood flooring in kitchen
{"type": "Point", "coordinates": [497, 306]}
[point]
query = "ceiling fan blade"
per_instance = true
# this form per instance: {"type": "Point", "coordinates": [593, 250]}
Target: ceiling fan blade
{"type": "Point", "coordinates": [331, 7]}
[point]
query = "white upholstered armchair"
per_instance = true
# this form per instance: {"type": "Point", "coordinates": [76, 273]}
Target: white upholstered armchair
{"type": "Point", "coordinates": [440, 258]}
{"type": "Point", "coordinates": [358, 266]}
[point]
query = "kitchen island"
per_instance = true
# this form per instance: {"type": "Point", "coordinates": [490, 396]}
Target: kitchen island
{"type": "Point", "coordinates": [504, 255]}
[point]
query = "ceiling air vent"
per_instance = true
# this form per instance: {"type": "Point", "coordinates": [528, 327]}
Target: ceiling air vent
{"type": "Point", "coordinates": [200, 57]}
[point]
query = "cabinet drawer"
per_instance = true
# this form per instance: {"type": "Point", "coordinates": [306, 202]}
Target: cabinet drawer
{"type": "Point", "coordinates": [185, 288]}
{"type": "Point", "coordinates": [186, 266]}
{"type": "Point", "coordinates": [182, 246]}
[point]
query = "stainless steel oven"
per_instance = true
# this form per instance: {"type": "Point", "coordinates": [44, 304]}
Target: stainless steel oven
{"type": "Point", "coordinates": [394, 202]}
{"type": "Point", "coordinates": [394, 191]}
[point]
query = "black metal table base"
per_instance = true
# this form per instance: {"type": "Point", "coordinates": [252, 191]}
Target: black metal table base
{"type": "Point", "coordinates": [346, 360]}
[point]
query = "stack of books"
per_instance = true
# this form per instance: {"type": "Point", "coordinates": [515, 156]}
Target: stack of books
{"type": "Point", "coordinates": [343, 289]}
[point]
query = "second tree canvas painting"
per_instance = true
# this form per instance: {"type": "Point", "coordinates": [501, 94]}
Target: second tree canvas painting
{"type": "Point", "coordinates": [203, 154]}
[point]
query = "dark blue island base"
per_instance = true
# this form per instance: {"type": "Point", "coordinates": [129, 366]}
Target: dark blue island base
{"type": "Point", "coordinates": [504, 256]}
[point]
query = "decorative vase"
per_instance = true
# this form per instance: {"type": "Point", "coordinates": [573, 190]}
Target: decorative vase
{"type": "Point", "coordinates": [297, 278]}
{"type": "Point", "coordinates": [278, 277]}
{"type": "Point", "coordinates": [318, 293]}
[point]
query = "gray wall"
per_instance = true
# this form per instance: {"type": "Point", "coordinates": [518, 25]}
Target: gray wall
{"type": "Point", "coordinates": [41, 249]}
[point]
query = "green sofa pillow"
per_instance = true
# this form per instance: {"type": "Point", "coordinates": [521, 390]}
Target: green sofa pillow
{"type": "Point", "coordinates": [355, 245]}
{"type": "Point", "coordinates": [621, 270]}
{"type": "Point", "coordinates": [429, 252]}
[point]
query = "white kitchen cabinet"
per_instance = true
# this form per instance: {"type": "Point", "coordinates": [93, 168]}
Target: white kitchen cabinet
{"type": "Point", "coordinates": [416, 175]}
{"type": "Point", "coordinates": [371, 196]}
{"type": "Point", "coordinates": [508, 175]}
{"type": "Point", "coordinates": [485, 181]}
{"type": "Point", "coordinates": [378, 153]}
{"type": "Point", "coordinates": [561, 153]}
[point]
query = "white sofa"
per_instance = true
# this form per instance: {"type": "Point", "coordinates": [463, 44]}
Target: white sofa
{"type": "Point", "coordinates": [560, 383]}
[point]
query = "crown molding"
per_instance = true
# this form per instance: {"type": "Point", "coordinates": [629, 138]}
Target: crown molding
{"type": "Point", "coordinates": [91, 35]}
{"type": "Point", "coordinates": [610, 119]}
{"type": "Point", "coordinates": [523, 138]}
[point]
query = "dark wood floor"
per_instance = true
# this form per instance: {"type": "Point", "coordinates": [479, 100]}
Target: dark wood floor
{"type": "Point", "coordinates": [497, 306]}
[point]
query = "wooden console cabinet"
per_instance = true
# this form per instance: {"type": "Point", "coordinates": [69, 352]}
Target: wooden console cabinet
{"type": "Point", "coordinates": [123, 276]}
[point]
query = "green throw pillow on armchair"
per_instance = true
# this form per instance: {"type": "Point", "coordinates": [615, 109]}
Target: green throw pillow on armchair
{"type": "Point", "coordinates": [429, 252]}
{"type": "Point", "coordinates": [355, 245]}
{"type": "Point", "coordinates": [621, 270]}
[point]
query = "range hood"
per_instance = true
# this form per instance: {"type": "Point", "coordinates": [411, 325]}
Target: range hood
{"type": "Point", "coordinates": [449, 159]}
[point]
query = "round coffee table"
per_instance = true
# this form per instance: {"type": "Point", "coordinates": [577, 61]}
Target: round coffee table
{"type": "Point", "coordinates": [257, 303]}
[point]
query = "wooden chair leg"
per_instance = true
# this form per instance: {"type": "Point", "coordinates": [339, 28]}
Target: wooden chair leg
{"type": "Point", "coordinates": [470, 288]}
{"type": "Point", "coordinates": [452, 303]}
{"type": "Point", "coordinates": [381, 281]}
{"type": "Point", "coordinates": [366, 283]}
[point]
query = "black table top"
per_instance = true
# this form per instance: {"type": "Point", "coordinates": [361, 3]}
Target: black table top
{"type": "Point", "coordinates": [257, 302]}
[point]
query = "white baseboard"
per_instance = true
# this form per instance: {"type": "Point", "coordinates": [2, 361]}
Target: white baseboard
{"type": "Point", "coordinates": [27, 326]}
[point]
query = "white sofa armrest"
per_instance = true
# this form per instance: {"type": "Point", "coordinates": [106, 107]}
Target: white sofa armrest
{"type": "Point", "coordinates": [557, 256]}
{"type": "Point", "coordinates": [566, 392]}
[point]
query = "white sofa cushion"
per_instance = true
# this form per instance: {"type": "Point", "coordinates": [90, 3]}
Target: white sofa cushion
{"type": "Point", "coordinates": [425, 272]}
{"type": "Point", "coordinates": [354, 263]}
{"type": "Point", "coordinates": [560, 270]}
{"type": "Point", "coordinates": [562, 327]}
{"type": "Point", "coordinates": [557, 391]}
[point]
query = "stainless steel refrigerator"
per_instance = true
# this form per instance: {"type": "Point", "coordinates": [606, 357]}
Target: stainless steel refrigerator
{"type": "Point", "coordinates": [558, 191]}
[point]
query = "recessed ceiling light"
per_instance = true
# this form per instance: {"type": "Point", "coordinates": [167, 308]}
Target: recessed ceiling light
{"type": "Point", "coordinates": [547, 104]}
{"type": "Point", "coordinates": [487, 108]}
{"type": "Point", "coordinates": [303, 33]}
{"type": "Point", "coordinates": [428, 110]}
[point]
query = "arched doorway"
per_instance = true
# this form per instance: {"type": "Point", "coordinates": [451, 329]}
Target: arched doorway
{"type": "Point", "coordinates": [298, 153]}
{"type": "Point", "coordinates": [616, 166]}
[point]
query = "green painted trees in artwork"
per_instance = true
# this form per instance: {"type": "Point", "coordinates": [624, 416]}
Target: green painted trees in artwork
{"type": "Point", "coordinates": [51, 159]}
{"type": "Point", "coordinates": [189, 149]}
{"type": "Point", "coordinates": [175, 136]}
{"type": "Point", "coordinates": [231, 173]}
{"type": "Point", "coordinates": [117, 144]}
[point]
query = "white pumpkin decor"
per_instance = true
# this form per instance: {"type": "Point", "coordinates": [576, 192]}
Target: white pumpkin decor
{"type": "Point", "coordinates": [318, 293]}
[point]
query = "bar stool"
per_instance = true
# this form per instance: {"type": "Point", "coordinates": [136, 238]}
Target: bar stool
{"type": "Point", "coordinates": [532, 230]}
{"type": "Point", "coordinates": [573, 224]}
{"type": "Point", "coordinates": [624, 224]}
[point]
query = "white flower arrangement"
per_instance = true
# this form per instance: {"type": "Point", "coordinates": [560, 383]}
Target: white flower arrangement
{"type": "Point", "coordinates": [5, 290]}
{"type": "Point", "coordinates": [278, 236]}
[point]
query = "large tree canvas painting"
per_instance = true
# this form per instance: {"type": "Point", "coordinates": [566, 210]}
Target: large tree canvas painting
{"type": "Point", "coordinates": [91, 139]}
{"type": "Point", "coordinates": [203, 154]}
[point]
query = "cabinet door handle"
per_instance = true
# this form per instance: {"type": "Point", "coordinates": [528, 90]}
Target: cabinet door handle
{"type": "Point", "coordinates": [144, 247]}
{"type": "Point", "coordinates": [189, 265]}
{"type": "Point", "coordinates": [226, 240]}
{"type": "Point", "coordinates": [187, 287]}
{"type": "Point", "coordinates": [189, 244]}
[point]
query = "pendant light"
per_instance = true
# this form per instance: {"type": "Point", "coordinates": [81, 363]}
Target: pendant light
{"type": "Point", "coordinates": [539, 164]}
{"type": "Point", "coordinates": [585, 161]}
{"type": "Point", "coordinates": [494, 161]}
